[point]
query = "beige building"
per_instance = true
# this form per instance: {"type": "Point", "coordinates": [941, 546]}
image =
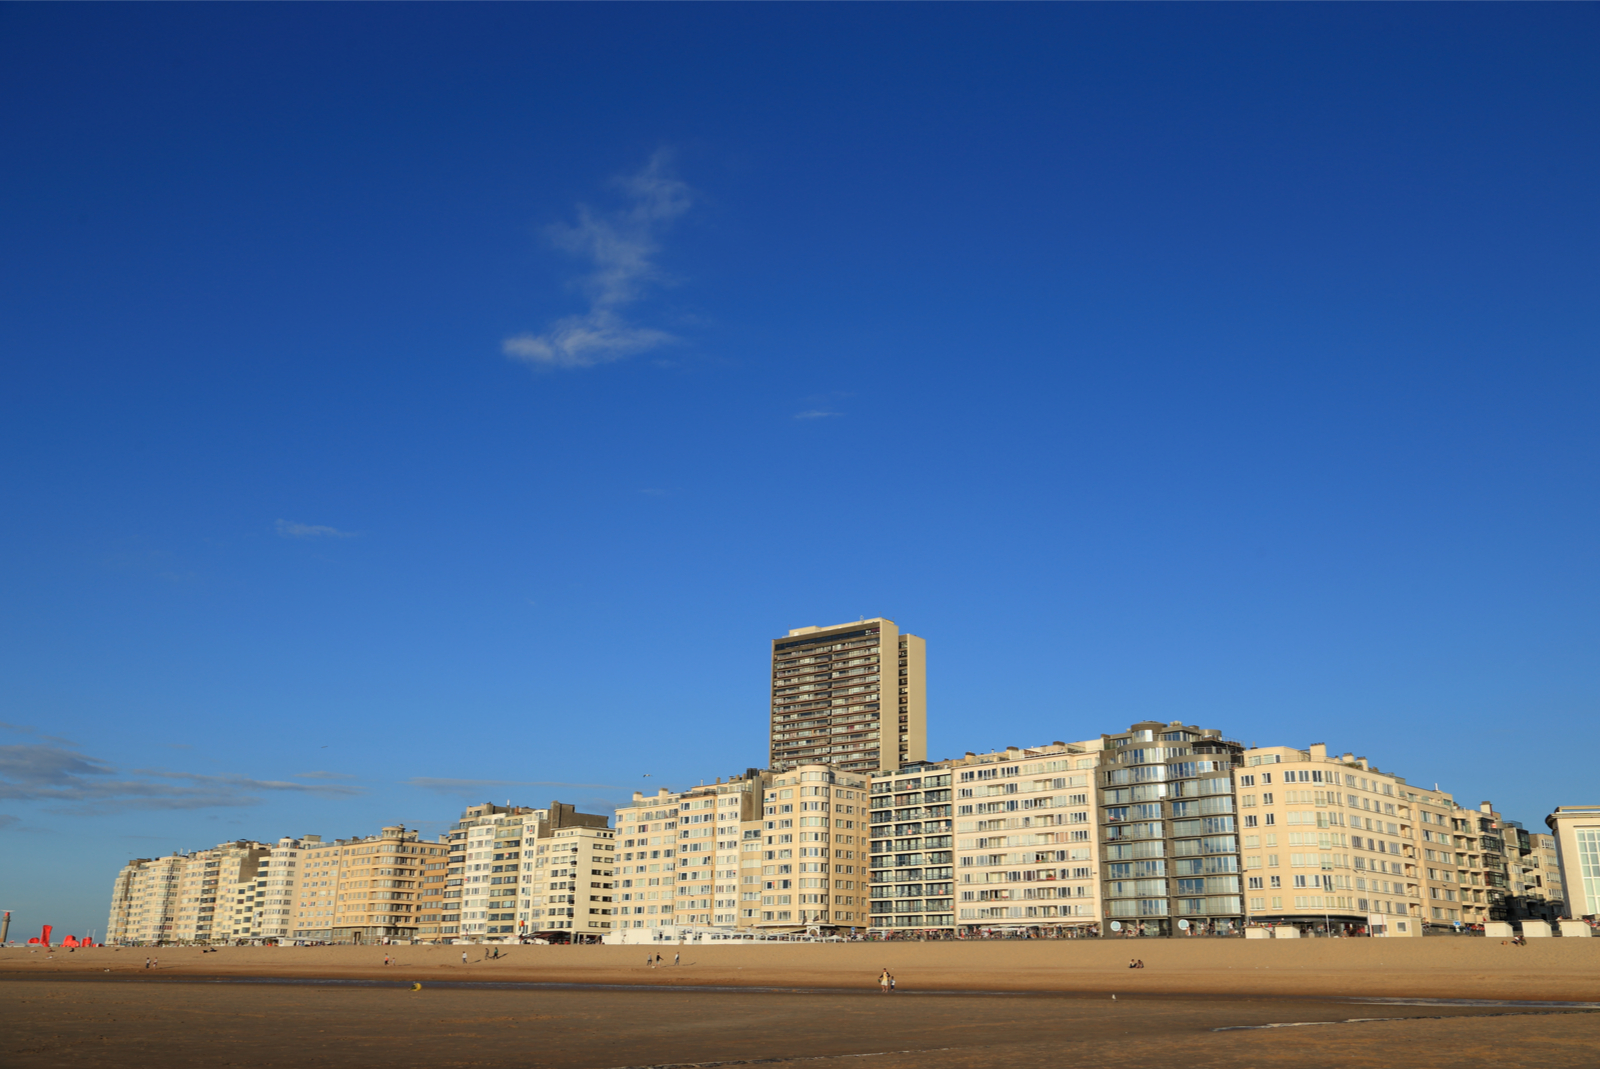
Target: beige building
{"type": "Point", "coordinates": [469, 863]}
{"type": "Point", "coordinates": [278, 890]}
{"type": "Point", "coordinates": [430, 896]}
{"type": "Point", "coordinates": [1542, 872]}
{"type": "Point", "coordinates": [208, 896]}
{"type": "Point", "coordinates": [1331, 840]}
{"type": "Point", "coordinates": [241, 892]}
{"type": "Point", "coordinates": [1003, 840]}
{"type": "Point", "coordinates": [488, 883]}
{"type": "Point", "coordinates": [1576, 829]}
{"type": "Point", "coordinates": [647, 870]}
{"type": "Point", "coordinates": [1320, 851]}
{"type": "Point", "coordinates": [503, 882]}
{"type": "Point", "coordinates": [569, 884]}
{"type": "Point", "coordinates": [362, 890]}
{"type": "Point", "coordinates": [144, 902]}
{"type": "Point", "coordinates": [853, 696]}
{"type": "Point", "coordinates": [712, 821]}
{"type": "Point", "coordinates": [812, 852]}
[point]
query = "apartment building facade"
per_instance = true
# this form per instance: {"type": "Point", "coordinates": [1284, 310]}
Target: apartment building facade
{"type": "Point", "coordinates": [1027, 849]}
{"type": "Point", "coordinates": [1170, 830]}
{"type": "Point", "coordinates": [362, 889]}
{"type": "Point", "coordinates": [1542, 871]}
{"type": "Point", "coordinates": [1576, 829]}
{"type": "Point", "coordinates": [712, 821]}
{"type": "Point", "coordinates": [851, 695]}
{"type": "Point", "coordinates": [486, 893]}
{"type": "Point", "coordinates": [241, 892]}
{"type": "Point", "coordinates": [812, 847]}
{"type": "Point", "coordinates": [646, 877]}
{"type": "Point", "coordinates": [1532, 895]}
{"type": "Point", "coordinates": [1330, 840]}
{"type": "Point", "coordinates": [144, 902]}
{"type": "Point", "coordinates": [572, 893]}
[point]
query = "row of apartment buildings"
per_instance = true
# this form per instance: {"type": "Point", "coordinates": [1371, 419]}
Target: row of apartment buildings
{"type": "Point", "coordinates": [1161, 829]}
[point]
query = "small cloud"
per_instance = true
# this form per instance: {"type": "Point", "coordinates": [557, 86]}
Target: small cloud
{"type": "Point", "coordinates": [654, 493]}
{"type": "Point", "coordinates": [28, 729]}
{"type": "Point", "coordinates": [89, 786]}
{"type": "Point", "coordinates": [817, 413]}
{"type": "Point", "coordinates": [621, 247]}
{"type": "Point", "coordinates": [6, 820]}
{"type": "Point", "coordinates": [471, 788]}
{"type": "Point", "coordinates": [290, 529]}
{"type": "Point", "coordinates": [323, 775]}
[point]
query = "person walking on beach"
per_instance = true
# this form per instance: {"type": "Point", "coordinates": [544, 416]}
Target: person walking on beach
{"type": "Point", "coordinates": [649, 959]}
{"type": "Point", "coordinates": [883, 981]}
{"type": "Point", "coordinates": [146, 963]}
{"type": "Point", "coordinates": [891, 983]}
{"type": "Point", "coordinates": [463, 957]}
{"type": "Point", "coordinates": [675, 958]}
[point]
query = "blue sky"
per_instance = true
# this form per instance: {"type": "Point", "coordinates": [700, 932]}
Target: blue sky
{"type": "Point", "coordinates": [405, 406]}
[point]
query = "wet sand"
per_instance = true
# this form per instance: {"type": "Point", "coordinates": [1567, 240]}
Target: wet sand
{"type": "Point", "coordinates": [132, 1022]}
{"type": "Point", "coordinates": [1447, 967]}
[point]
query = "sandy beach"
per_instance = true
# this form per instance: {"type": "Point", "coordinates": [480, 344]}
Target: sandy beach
{"type": "Point", "coordinates": [1212, 1005]}
{"type": "Point", "coordinates": [1553, 969]}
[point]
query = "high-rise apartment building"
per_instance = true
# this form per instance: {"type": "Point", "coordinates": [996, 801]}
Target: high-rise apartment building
{"type": "Point", "coordinates": [1169, 828]}
{"type": "Point", "coordinates": [145, 902]}
{"type": "Point", "coordinates": [851, 695]}
{"type": "Point", "coordinates": [647, 878]}
{"type": "Point", "coordinates": [363, 889]}
{"type": "Point", "coordinates": [1333, 840]}
{"type": "Point", "coordinates": [1330, 840]}
{"type": "Point", "coordinates": [1542, 872]}
{"type": "Point", "coordinates": [813, 849]}
{"type": "Point", "coordinates": [1530, 857]}
{"type": "Point", "coordinates": [1024, 853]}
{"type": "Point", "coordinates": [507, 878]}
{"type": "Point", "coordinates": [774, 851]}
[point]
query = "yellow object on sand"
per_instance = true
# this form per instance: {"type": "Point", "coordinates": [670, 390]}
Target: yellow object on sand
{"type": "Point", "coordinates": [416, 987]}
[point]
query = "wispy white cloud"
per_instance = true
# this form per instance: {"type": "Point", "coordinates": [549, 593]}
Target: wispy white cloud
{"type": "Point", "coordinates": [621, 246]}
{"type": "Point", "coordinates": [323, 775]}
{"type": "Point", "coordinates": [290, 529]}
{"type": "Point", "coordinates": [473, 787]}
{"type": "Point", "coordinates": [78, 783]}
{"type": "Point", "coordinates": [816, 413]}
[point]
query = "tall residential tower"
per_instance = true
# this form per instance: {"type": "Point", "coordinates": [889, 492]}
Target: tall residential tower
{"type": "Point", "coordinates": [851, 695]}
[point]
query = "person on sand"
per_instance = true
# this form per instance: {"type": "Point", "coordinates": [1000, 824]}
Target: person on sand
{"type": "Point", "coordinates": [1133, 963]}
{"type": "Point", "coordinates": [891, 983]}
{"type": "Point", "coordinates": [146, 963]}
{"type": "Point", "coordinates": [883, 982]}
{"type": "Point", "coordinates": [675, 958]}
{"type": "Point", "coordinates": [650, 960]}
{"type": "Point", "coordinates": [463, 957]}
